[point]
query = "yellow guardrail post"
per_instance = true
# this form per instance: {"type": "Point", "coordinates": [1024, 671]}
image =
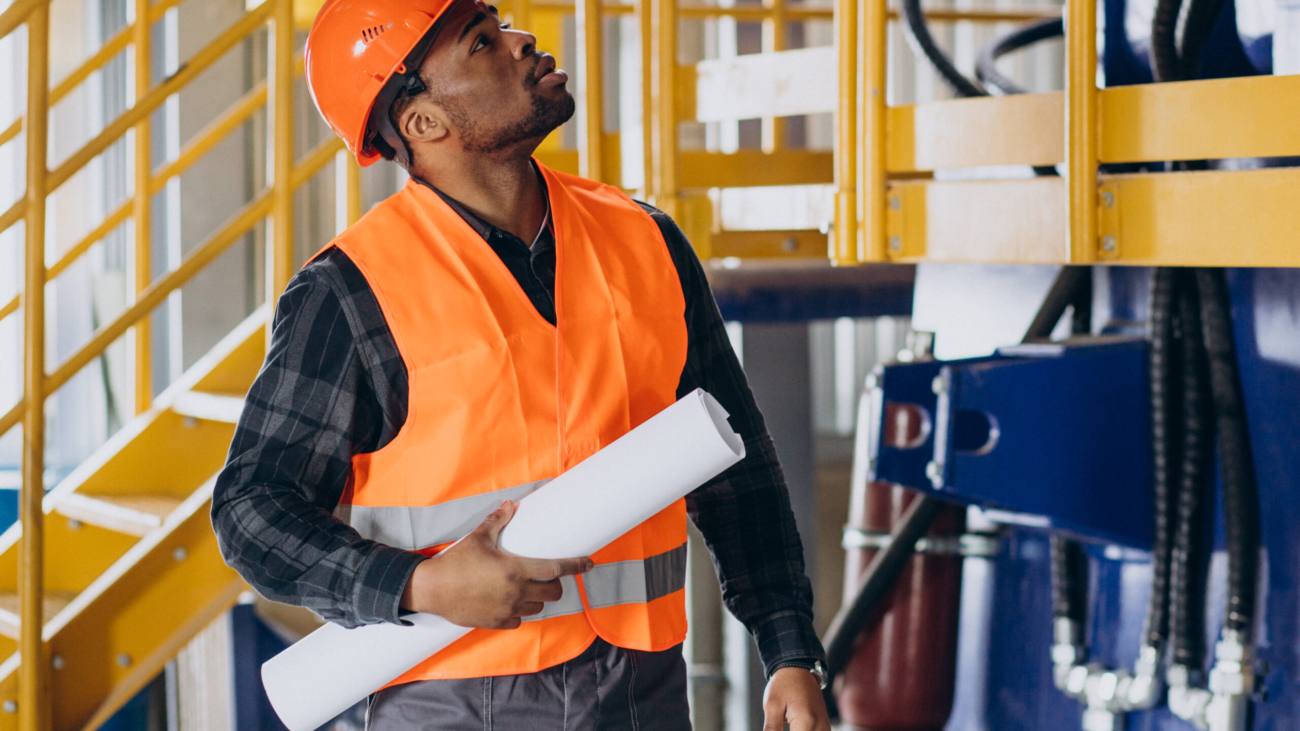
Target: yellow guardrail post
{"type": "Point", "coordinates": [140, 211]}
{"type": "Point", "coordinates": [663, 106]}
{"type": "Point", "coordinates": [354, 188]}
{"type": "Point", "coordinates": [844, 236]}
{"type": "Point", "coordinates": [1082, 128]}
{"type": "Point", "coordinates": [33, 674]}
{"type": "Point", "coordinates": [282, 78]}
{"type": "Point", "coordinates": [872, 101]}
{"type": "Point", "coordinates": [775, 33]}
{"type": "Point", "coordinates": [591, 100]}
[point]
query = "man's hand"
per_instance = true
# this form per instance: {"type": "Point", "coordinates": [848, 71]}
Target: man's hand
{"type": "Point", "coordinates": [792, 697]}
{"type": "Point", "coordinates": [476, 584]}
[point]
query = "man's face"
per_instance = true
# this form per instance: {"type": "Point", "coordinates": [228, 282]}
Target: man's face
{"type": "Point", "coordinates": [497, 90]}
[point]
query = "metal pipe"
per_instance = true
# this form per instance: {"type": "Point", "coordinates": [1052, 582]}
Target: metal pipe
{"type": "Point", "coordinates": [143, 260]}
{"type": "Point", "coordinates": [1082, 133]}
{"type": "Point", "coordinates": [282, 152]}
{"type": "Point", "coordinates": [33, 673]}
{"type": "Point", "coordinates": [845, 230]}
{"type": "Point", "coordinates": [591, 100]}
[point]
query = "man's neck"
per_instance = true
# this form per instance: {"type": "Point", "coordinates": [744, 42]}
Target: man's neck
{"type": "Point", "coordinates": [503, 192]}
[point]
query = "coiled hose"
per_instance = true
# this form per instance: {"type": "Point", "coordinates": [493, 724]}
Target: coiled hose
{"type": "Point", "coordinates": [1164, 41]}
{"type": "Point", "coordinates": [986, 68]}
{"type": "Point", "coordinates": [1240, 493]}
{"type": "Point", "coordinates": [923, 43]}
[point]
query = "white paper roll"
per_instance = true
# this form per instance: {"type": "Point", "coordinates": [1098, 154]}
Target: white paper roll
{"type": "Point", "coordinates": [576, 514]}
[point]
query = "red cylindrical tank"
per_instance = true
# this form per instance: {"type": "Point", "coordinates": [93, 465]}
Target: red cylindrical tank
{"type": "Point", "coordinates": [903, 673]}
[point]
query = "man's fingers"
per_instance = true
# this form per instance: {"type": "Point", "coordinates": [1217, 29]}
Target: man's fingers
{"type": "Point", "coordinates": [547, 569]}
{"type": "Point", "coordinates": [773, 717]}
{"type": "Point", "coordinates": [496, 520]}
{"type": "Point", "coordinates": [542, 591]}
{"type": "Point", "coordinates": [528, 609]}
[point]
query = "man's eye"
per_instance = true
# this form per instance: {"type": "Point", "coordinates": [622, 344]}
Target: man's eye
{"type": "Point", "coordinates": [505, 26]}
{"type": "Point", "coordinates": [481, 42]}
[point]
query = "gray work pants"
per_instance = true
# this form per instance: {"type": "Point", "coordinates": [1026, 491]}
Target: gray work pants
{"type": "Point", "coordinates": [606, 688]}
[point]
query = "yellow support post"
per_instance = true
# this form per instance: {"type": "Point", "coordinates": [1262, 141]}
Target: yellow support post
{"type": "Point", "coordinates": [282, 79]}
{"type": "Point", "coordinates": [354, 188]}
{"type": "Point", "coordinates": [874, 112]}
{"type": "Point", "coordinates": [663, 103]}
{"type": "Point", "coordinates": [1082, 128]}
{"type": "Point", "coordinates": [644, 15]}
{"type": "Point", "coordinates": [775, 33]}
{"type": "Point", "coordinates": [140, 211]}
{"type": "Point", "coordinates": [845, 248]}
{"type": "Point", "coordinates": [591, 100]}
{"type": "Point", "coordinates": [33, 674]}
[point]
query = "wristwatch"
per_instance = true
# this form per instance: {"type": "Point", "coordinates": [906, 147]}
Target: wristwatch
{"type": "Point", "coordinates": [815, 667]}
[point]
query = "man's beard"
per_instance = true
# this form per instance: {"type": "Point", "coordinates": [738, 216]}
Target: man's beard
{"type": "Point", "coordinates": [544, 116]}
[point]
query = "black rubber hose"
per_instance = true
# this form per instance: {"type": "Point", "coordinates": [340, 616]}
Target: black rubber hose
{"type": "Point", "coordinates": [1201, 16]}
{"type": "Point", "coordinates": [1240, 493]}
{"type": "Point", "coordinates": [1187, 557]}
{"type": "Point", "coordinates": [1064, 291]}
{"type": "Point", "coordinates": [1164, 41]}
{"type": "Point", "coordinates": [1069, 561]}
{"type": "Point", "coordinates": [918, 33]}
{"type": "Point", "coordinates": [1164, 448]}
{"type": "Point", "coordinates": [986, 68]}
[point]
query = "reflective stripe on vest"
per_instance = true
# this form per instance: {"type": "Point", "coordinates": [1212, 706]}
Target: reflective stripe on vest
{"type": "Point", "coordinates": [624, 582]}
{"type": "Point", "coordinates": [432, 525]}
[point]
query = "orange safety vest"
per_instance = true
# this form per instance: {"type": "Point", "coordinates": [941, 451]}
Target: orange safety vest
{"type": "Point", "coordinates": [502, 401]}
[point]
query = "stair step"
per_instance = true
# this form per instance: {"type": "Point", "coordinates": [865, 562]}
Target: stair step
{"type": "Point", "coordinates": [134, 515]}
{"type": "Point", "coordinates": [10, 609]}
{"type": "Point", "coordinates": [223, 407]}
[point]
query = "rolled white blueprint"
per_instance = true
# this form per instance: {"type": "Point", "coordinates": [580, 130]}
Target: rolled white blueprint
{"type": "Point", "coordinates": [576, 514]}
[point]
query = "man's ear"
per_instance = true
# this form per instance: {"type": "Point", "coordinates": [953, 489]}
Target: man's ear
{"type": "Point", "coordinates": [422, 122]}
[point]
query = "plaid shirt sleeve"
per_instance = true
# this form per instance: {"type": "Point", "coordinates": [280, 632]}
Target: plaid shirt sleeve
{"type": "Point", "coordinates": [330, 388]}
{"type": "Point", "coordinates": [744, 514]}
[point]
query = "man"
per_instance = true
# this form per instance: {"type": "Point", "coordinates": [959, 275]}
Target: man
{"type": "Point", "coordinates": [479, 332]}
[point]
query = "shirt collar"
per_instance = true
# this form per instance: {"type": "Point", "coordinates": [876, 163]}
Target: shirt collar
{"type": "Point", "coordinates": [483, 228]}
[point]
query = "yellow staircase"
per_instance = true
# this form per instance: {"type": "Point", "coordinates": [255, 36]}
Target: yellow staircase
{"type": "Point", "coordinates": [132, 566]}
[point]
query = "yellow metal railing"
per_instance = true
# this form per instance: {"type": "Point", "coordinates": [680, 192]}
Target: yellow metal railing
{"type": "Point", "coordinates": [275, 202]}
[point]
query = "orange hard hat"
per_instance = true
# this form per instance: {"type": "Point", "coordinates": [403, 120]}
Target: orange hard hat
{"type": "Point", "coordinates": [357, 54]}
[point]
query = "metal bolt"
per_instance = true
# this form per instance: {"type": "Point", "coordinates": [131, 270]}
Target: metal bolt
{"type": "Point", "coordinates": [179, 553]}
{"type": "Point", "coordinates": [933, 470]}
{"type": "Point", "coordinates": [124, 660]}
{"type": "Point", "coordinates": [939, 386]}
{"type": "Point", "coordinates": [826, 227]}
{"type": "Point", "coordinates": [1108, 244]}
{"type": "Point", "coordinates": [894, 203]}
{"type": "Point", "coordinates": [11, 706]}
{"type": "Point", "coordinates": [74, 524]}
{"type": "Point", "coordinates": [790, 244]}
{"type": "Point", "coordinates": [190, 422]}
{"type": "Point", "coordinates": [1108, 199]}
{"type": "Point", "coordinates": [56, 662]}
{"type": "Point", "coordinates": [895, 243]}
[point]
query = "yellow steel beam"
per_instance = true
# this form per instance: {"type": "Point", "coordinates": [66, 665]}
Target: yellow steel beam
{"type": "Point", "coordinates": [141, 208]}
{"type": "Point", "coordinates": [16, 14]}
{"type": "Point", "coordinates": [591, 100]}
{"type": "Point", "coordinates": [142, 108]}
{"type": "Point", "coordinates": [664, 118]}
{"type": "Point", "coordinates": [844, 247]}
{"type": "Point", "coordinates": [11, 131]}
{"type": "Point", "coordinates": [1238, 218]}
{"type": "Point", "coordinates": [750, 167]}
{"type": "Point", "coordinates": [282, 78]}
{"type": "Point", "coordinates": [794, 244]}
{"type": "Point", "coordinates": [11, 417]}
{"type": "Point", "coordinates": [1026, 129]}
{"type": "Point", "coordinates": [995, 221]}
{"type": "Point", "coordinates": [113, 220]}
{"type": "Point", "coordinates": [873, 113]}
{"type": "Point", "coordinates": [10, 307]}
{"type": "Point", "coordinates": [13, 214]}
{"type": "Point", "coordinates": [1248, 117]}
{"type": "Point", "coordinates": [210, 136]}
{"type": "Point", "coordinates": [33, 675]}
{"type": "Point", "coordinates": [106, 52]}
{"type": "Point", "coordinates": [1082, 138]}
{"type": "Point", "coordinates": [319, 157]}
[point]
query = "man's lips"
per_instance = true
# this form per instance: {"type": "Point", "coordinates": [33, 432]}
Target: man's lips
{"type": "Point", "coordinates": [546, 68]}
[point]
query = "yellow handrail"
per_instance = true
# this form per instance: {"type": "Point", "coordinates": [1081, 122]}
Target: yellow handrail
{"type": "Point", "coordinates": [142, 200]}
{"type": "Point", "coordinates": [33, 674]}
{"type": "Point", "coordinates": [11, 131]}
{"type": "Point", "coordinates": [115, 45]}
{"type": "Point", "coordinates": [210, 136]}
{"type": "Point", "coordinates": [845, 239]}
{"type": "Point", "coordinates": [1082, 134]}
